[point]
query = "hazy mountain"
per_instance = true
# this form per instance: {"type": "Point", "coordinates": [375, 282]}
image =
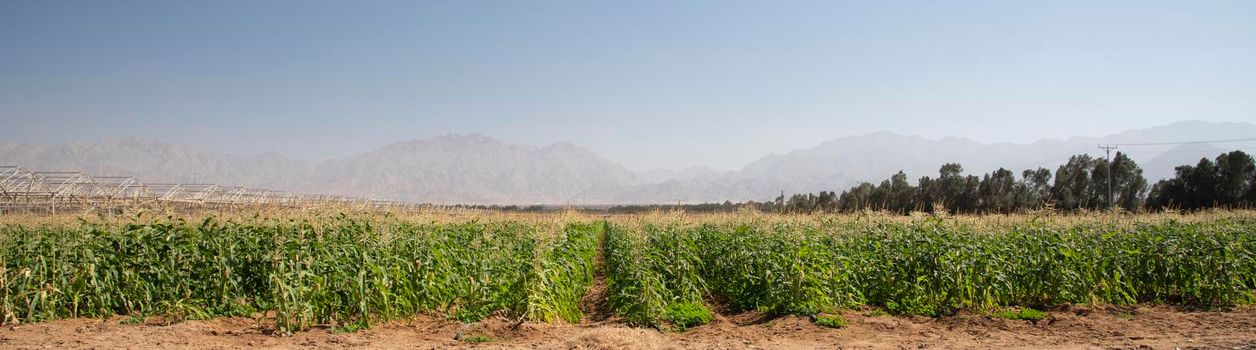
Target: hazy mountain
{"type": "Point", "coordinates": [446, 169]}
{"type": "Point", "coordinates": [664, 175]}
{"type": "Point", "coordinates": [1165, 163]}
{"type": "Point", "coordinates": [160, 162]}
{"type": "Point", "coordinates": [478, 169]}
{"type": "Point", "coordinates": [844, 162]}
{"type": "Point", "coordinates": [475, 169]}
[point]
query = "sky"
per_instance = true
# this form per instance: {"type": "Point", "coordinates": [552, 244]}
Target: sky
{"type": "Point", "coordinates": [647, 84]}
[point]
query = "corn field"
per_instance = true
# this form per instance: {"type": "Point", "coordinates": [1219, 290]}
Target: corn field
{"type": "Point", "coordinates": [661, 270]}
{"type": "Point", "coordinates": [342, 270]}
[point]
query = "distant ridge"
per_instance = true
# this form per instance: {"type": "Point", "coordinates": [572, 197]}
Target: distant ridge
{"type": "Point", "coordinates": [477, 169]}
{"type": "Point", "coordinates": [474, 169]}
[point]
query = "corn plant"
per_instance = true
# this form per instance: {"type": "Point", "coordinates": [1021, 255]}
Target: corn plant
{"type": "Point", "coordinates": [353, 270]}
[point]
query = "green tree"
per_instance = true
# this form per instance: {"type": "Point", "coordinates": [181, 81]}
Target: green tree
{"type": "Point", "coordinates": [857, 198]}
{"type": "Point", "coordinates": [1035, 188]}
{"type": "Point", "coordinates": [1172, 193]}
{"type": "Point", "coordinates": [997, 192]}
{"type": "Point", "coordinates": [1227, 182]}
{"type": "Point", "coordinates": [1128, 184]}
{"type": "Point", "coordinates": [1071, 190]}
{"type": "Point", "coordinates": [952, 187]}
{"type": "Point", "coordinates": [1201, 185]}
{"type": "Point", "coordinates": [1234, 174]}
{"type": "Point", "coordinates": [926, 194]}
{"type": "Point", "coordinates": [901, 193]}
{"type": "Point", "coordinates": [1250, 198]}
{"type": "Point", "coordinates": [1097, 189]}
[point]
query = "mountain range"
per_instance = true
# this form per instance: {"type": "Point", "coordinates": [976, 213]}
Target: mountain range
{"type": "Point", "coordinates": [480, 170]}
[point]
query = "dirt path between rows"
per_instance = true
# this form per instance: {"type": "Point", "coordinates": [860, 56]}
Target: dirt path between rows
{"type": "Point", "coordinates": [596, 304]}
{"type": "Point", "coordinates": [1077, 328]}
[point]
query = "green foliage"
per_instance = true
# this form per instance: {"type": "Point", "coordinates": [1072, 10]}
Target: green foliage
{"type": "Point", "coordinates": [833, 321]}
{"type": "Point", "coordinates": [779, 269]}
{"type": "Point", "coordinates": [562, 274]}
{"type": "Point", "coordinates": [1228, 182]}
{"type": "Point", "coordinates": [685, 315]}
{"type": "Point", "coordinates": [1026, 314]}
{"type": "Point", "coordinates": [132, 320]}
{"type": "Point", "coordinates": [352, 271]}
{"type": "Point", "coordinates": [932, 267]}
{"type": "Point", "coordinates": [652, 267]}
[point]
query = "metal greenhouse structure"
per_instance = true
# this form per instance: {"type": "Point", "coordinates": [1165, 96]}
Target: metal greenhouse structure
{"type": "Point", "coordinates": [24, 190]}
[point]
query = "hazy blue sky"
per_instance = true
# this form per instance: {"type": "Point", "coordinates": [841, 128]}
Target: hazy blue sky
{"type": "Point", "coordinates": [647, 84]}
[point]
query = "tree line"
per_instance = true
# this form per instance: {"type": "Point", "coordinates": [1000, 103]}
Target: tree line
{"type": "Point", "coordinates": [1082, 183]}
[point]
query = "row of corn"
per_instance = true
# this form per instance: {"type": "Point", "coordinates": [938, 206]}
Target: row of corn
{"type": "Point", "coordinates": [341, 271]}
{"type": "Point", "coordinates": [929, 266]}
{"type": "Point", "coordinates": [352, 270]}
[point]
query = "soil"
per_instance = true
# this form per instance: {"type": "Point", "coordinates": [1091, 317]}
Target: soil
{"type": "Point", "coordinates": [596, 303]}
{"type": "Point", "coordinates": [1155, 327]}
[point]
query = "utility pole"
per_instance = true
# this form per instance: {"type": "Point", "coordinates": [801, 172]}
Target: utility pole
{"type": "Point", "coordinates": [1107, 150]}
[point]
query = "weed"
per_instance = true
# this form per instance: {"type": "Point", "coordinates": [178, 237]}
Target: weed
{"type": "Point", "coordinates": [833, 321]}
{"type": "Point", "coordinates": [1026, 314]}
{"type": "Point", "coordinates": [686, 315]}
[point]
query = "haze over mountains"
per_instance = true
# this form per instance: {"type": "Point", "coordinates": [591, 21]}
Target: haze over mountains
{"type": "Point", "coordinates": [479, 169]}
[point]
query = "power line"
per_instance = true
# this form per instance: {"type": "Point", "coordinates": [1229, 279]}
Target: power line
{"type": "Point", "coordinates": [1183, 143]}
{"type": "Point", "coordinates": [1248, 149]}
{"type": "Point", "coordinates": [1063, 156]}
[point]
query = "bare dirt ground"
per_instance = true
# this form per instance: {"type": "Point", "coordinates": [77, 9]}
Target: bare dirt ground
{"type": "Point", "coordinates": [1072, 328]}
